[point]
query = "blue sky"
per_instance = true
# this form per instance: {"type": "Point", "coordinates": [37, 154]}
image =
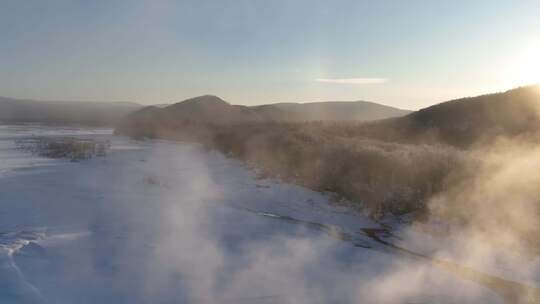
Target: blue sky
{"type": "Point", "coordinates": [407, 54]}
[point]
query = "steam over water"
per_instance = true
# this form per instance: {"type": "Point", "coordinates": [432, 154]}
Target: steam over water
{"type": "Point", "coordinates": [159, 222]}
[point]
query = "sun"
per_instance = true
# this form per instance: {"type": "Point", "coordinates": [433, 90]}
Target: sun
{"type": "Point", "coordinates": [527, 69]}
{"type": "Point", "coordinates": [532, 72]}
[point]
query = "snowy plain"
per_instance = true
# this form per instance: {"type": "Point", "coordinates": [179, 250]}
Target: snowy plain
{"type": "Point", "coordinates": [163, 222]}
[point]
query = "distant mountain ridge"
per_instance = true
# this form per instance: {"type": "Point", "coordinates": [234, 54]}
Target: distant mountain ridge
{"type": "Point", "coordinates": [209, 108]}
{"type": "Point", "coordinates": [206, 108]}
{"type": "Point", "coordinates": [341, 110]}
{"type": "Point", "coordinates": [14, 110]}
{"type": "Point", "coordinates": [212, 109]}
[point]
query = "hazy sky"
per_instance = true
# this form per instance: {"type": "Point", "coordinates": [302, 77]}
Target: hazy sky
{"type": "Point", "coordinates": [407, 54]}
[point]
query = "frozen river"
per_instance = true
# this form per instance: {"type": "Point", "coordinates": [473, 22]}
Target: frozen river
{"type": "Point", "coordinates": [161, 222]}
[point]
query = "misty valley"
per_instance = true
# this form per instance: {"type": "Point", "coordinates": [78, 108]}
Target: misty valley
{"type": "Point", "coordinates": [269, 152]}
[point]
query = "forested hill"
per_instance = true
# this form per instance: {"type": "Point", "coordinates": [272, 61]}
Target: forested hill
{"type": "Point", "coordinates": [466, 121]}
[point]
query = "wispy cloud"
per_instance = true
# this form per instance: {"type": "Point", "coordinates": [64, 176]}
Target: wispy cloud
{"type": "Point", "coordinates": [360, 81]}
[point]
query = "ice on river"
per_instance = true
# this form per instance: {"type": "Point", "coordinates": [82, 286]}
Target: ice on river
{"type": "Point", "coordinates": [161, 222]}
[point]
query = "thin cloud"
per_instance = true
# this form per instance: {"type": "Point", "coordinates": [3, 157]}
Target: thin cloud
{"type": "Point", "coordinates": [360, 81]}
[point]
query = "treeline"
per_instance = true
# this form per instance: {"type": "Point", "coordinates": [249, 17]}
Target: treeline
{"type": "Point", "coordinates": [385, 177]}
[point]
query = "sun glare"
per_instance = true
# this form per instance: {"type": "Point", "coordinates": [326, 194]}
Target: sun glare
{"type": "Point", "coordinates": [527, 69]}
{"type": "Point", "coordinates": [532, 76]}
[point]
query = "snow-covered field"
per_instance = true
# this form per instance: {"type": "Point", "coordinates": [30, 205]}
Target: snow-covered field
{"type": "Point", "coordinates": [161, 222]}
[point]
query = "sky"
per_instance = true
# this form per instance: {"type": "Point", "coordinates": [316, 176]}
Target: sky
{"type": "Point", "coordinates": [407, 54]}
